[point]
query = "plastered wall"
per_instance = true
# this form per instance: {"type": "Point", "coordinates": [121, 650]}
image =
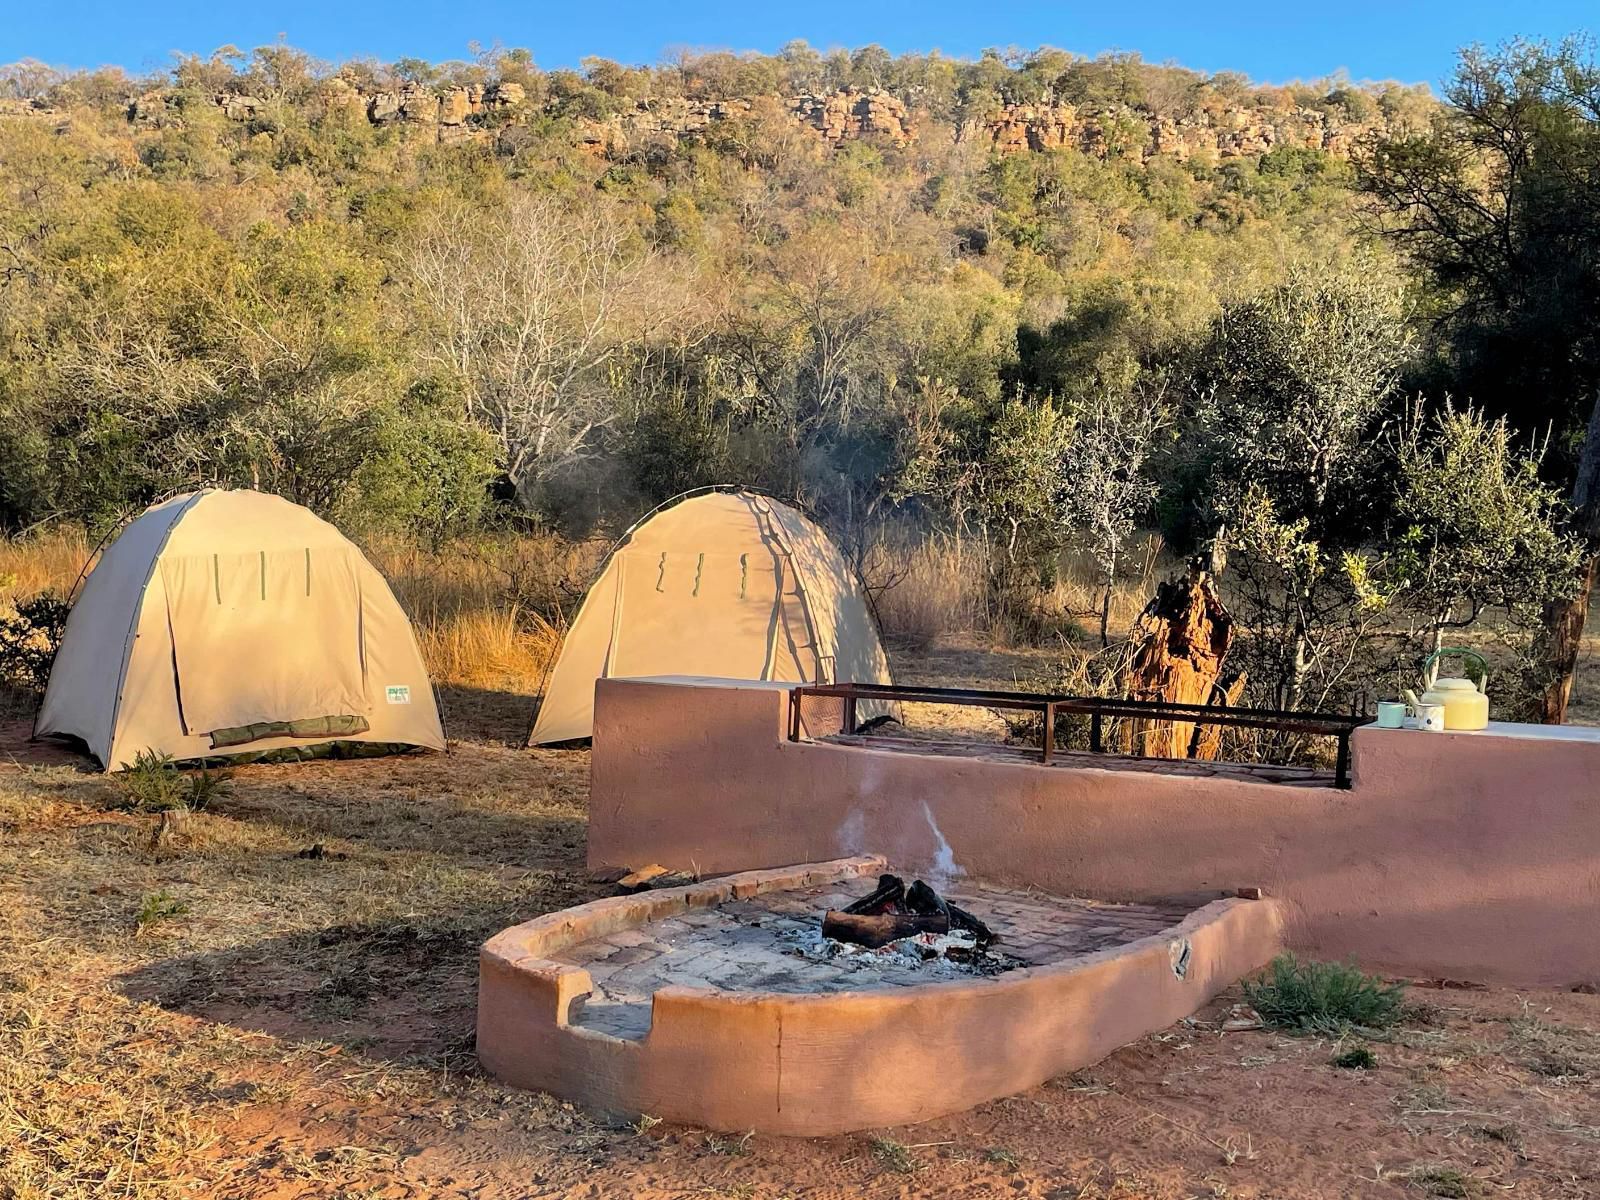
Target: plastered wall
{"type": "Point", "coordinates": [1467, 856]}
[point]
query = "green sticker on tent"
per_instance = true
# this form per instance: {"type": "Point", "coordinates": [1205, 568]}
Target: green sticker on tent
{"type": "Point", "coordinates": [397, 693]}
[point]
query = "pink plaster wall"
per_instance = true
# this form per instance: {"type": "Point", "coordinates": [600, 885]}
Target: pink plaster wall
{"type": "Point", "coordinates": [1471, 856]}
{"type": "Point", "coordinates": [816, 1064]}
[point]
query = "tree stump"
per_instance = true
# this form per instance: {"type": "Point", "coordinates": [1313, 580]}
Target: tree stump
{"type": "Point", "coordinates": [169, 826]}
{"type": "Point", "coordinates": [1179, 645]}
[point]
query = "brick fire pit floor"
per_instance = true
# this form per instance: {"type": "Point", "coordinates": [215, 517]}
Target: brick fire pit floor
{"type": "Point", "coordinates": [749, 945]}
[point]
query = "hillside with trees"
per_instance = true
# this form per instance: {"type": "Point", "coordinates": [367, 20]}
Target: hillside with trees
{"type": "Point", "coordinates": [1338, 335]}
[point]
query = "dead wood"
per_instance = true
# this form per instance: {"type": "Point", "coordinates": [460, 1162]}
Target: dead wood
{"type": "Point", "coordinates": [891, 890]}
{"type": "Point", "coordinates": [881, 929]}
{"type": "Point", "coordinates": [1180, 642]}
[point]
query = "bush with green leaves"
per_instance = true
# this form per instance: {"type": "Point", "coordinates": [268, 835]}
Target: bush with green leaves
{"type": "Point", "coordinates": [1357, 1058]}
{"type": "Point", "coordinates": [154, 784]}
{"type": "Point", "coordinates": [29, 640]}
{"type": "Point", "coordinates": [1323, 997]}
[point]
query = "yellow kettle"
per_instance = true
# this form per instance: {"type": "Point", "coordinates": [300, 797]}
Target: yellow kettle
{"type": "Point", "coordinates": [1465, 702]}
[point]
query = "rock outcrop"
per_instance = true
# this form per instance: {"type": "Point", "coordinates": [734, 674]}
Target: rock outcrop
{"type": "Point", "coordinates": [850, 114]}
{"type": "Point", "coordinates": [452, 106]}
{"type": "Point", "coordinates": [461, 112]}
{"type": "Point", "coordinates": [1126, 131]}
{"type": "Point", "coordinates": [838, 117]}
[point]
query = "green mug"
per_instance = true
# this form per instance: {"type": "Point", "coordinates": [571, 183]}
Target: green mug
{"type": "Point", "coordinates": [1391, 714]}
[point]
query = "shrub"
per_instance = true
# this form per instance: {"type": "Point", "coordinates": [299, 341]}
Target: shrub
{"type": "Point", "coordinates": [29, 639]}
{"type": "Point", "coordinates": [1319, 997]}
{"type": "Point", "coordinates": [1357, 1058]}
{"type": "Point", "coordinates": [206, 785]}
{"type": "Point", "coordinates": [154, 784]}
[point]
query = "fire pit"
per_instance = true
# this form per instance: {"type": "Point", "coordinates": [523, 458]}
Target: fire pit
{"type": "Point", "coordinates": [811, 1000]}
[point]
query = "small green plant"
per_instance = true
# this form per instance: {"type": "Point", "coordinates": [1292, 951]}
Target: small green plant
{"type": "Point", "coordinates": [1322, 997]}
{"type": "Point", "coordinates": [897, 1156]}
{"type": "Point", "coordinates": [1357, 1058]}
{"type": "Point", "coordinates": [1446, 1182]}
{"type": "Point", "coordinates": [159, 906]}
{"type": "Point", "coordinates": [1002, 1156]}
{"type": "Point", "coordinates": [206, 785]}
{"type": "Point", "coordinates": [154, 784]}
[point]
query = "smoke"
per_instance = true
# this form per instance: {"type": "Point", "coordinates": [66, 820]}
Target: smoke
{"type": "Point", "coordinates": [945, 867]}
{"type": "Point", "coordinates": [851, 836]}
{"type": "Point", "coordinates": [908, 847]}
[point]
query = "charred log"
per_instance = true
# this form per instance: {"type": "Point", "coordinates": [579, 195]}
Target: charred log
{"type": "Point", "coordinates": [880, 929]}
{"type": "Point", "coordinates": [887, 896]}
{"type": "Point", "coordinates": [920, 898]}
{"type": "Point", "coordinates": [960, 918]}
{"type": "Point", "coordinates": [892, 910]}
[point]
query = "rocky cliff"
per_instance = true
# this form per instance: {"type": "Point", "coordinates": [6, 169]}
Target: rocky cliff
{"type": "Point", "coordinates": [838, 117]}
{"type": "Point", "coordinates": [1204, 135]}
{"type": "Point", "coordinates": [473, 112]}
{"type": "Point", "coordinates": [849, 115]}
{"type": "Point", "coordinates": [449, 111]}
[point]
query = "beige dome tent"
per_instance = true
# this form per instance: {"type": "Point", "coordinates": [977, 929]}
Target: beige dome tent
{"type": "Point", "coordinates": [723, 583]}
{"type": "Point", "coordinates": [231, 623]}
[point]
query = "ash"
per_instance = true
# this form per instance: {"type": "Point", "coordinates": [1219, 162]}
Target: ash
{"type": "Point", "coordinates": [953, 955]}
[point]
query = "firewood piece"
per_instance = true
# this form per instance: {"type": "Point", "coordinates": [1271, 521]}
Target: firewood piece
{"type": "Point", "coordinates": [648, 879]}
{"type": "Point", "coordinates": [890, 891]}
{"type": "Point", "coordinates": [920, 898]}
{"type": "Point", "coordinates": [960, 918]}
{"type": "Point", "coordinates": [881, 929]}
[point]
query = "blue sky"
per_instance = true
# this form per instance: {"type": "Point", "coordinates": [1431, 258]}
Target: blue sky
{"type": "Point", "coordinates": [1270, 40]}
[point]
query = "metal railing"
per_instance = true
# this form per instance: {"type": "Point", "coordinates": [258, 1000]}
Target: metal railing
{"type": "Point", "coordinates": [1098, 709]}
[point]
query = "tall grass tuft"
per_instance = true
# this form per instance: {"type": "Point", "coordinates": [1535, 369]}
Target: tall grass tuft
{"type": "Point", "coordinates": [1323, 997]}
{"type": "Point", "coordinates": [924, 589]}
{"type": "Point", "coordinates": [488, 613]}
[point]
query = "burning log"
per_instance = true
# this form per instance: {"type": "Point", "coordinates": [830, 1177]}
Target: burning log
{"type": "Point", "coordinates": [960, 918]}
{"type": "Point", "coordinates": [891, 890]}
{"type": "Point", "coordinates": [893, 911]}
{"type": "Point", "coordinates": [880, 929]}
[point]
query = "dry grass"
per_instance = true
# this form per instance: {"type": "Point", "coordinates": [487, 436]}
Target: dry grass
{"type": "Point", "coordinates": [118, 1062]}
{"type": "Point", "coordinates": [925, 589]}
{"type": "Point", "coordinates": [302, 1028]}
{"type": "Point", "coordinates": [44, 562]}
{"type": "Point", "coordinates": [931, 589]}
{"type": "Point", "coordinates": [489, 614]}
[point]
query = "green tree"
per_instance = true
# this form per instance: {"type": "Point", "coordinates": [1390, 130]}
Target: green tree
{"type": "Point", "coordinates": [1474, 528]}
{"type": "Point", "coordinates": [1498, 201]}
{"type": "Point", "coordinates": [1106, 488]}
{"type": "Point", "coordinates": [1019, 476]}
{"type": "Point", "coordinates": [1287, 386]}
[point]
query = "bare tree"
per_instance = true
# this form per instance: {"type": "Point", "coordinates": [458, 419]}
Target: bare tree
{"type": "Point", "coordinates": [811, 336]}
{"type": "Point", "coordinates": [1105, 484]}
{"type": "Point", "coordinates": [529, 304]}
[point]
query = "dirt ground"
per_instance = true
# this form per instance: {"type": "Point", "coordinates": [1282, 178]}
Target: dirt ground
{"type": "Point", "coordinates": [237, 1013]}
